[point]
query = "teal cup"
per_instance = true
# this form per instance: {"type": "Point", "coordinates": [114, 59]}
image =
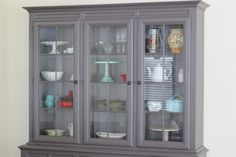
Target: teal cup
{"type": "Point", "coordinates": [50, 101]}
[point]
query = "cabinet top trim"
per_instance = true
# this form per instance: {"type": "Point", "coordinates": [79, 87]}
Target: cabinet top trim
{"type": "Point", "coordinates": [156, 5]}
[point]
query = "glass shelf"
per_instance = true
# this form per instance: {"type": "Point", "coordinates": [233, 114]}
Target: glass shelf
{"type": "Point", "coordinates": [161, 112]}
{"type": "Point", "coordinates": [112, 54]}
{"type": "Point", "coordinates": [46, 108]}
{"type": "Point", "coordinates": [56, 55]}
{"type": "Point", "coordinates": [61, 81]}
{"type": "Point", "coordinates": [108, 83]}
{"type": "Point", "coordinates": [113, 112]}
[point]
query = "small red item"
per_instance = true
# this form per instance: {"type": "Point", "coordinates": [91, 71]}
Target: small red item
{"type": "Point", "coordinates": [65, 104]}
{"type": "Point", "coordinates": [123, 75]}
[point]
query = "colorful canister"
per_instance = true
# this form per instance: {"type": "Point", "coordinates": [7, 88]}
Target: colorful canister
{"type": "Point", "coordinates": [153, 40]}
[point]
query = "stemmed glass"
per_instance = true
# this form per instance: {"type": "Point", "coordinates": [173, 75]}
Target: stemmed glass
{"type": "Point", "coordinates": [121, 37]}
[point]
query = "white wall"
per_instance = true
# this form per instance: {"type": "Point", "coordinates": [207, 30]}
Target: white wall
{"type": "Point", "coordinates": [220, 74]}
{"type": "Point", "coordinates": [14, 97]}
{"type": "Point", "coordinates": [220, 78]}
{"type": "Point", "coordinates": [1, 75]}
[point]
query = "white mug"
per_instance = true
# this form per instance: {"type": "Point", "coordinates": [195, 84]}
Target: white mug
{"type": "Point", "coordinates": [70, 50]}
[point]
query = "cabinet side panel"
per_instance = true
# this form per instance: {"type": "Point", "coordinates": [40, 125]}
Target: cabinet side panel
{"type": "Point", "coordinates": [23, 153]}
{"type": "Point", "coordinates": [31, 77]}
{"type": "Point", "coordinates": [199, 77]}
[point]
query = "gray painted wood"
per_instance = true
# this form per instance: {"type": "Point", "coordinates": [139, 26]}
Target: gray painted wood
{"type": "Point", "coordinates": [198, 68]}
{"type": "Point", "coordinates": [191, 13]}
{"type": "Point", "coordinates": [112, 7]}
{"type": "Point", "coordinates": [98, 151]}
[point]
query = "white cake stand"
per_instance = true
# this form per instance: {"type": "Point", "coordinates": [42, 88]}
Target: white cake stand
{"type": "Point", "coordinates": [106, 77]}
{"type": "Point", "coordinates": [54, 45]}
{"type": "Point", "coordinates": [169, 126]}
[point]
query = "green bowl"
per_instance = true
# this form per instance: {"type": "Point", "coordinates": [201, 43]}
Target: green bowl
{"type": "Point", "coordinates": [115, 105]}
{"type": "Point", "coordinates": [55, 132]}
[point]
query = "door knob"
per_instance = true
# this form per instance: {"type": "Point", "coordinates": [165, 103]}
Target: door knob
{"type": "Point", "coordinates": [128, 82]}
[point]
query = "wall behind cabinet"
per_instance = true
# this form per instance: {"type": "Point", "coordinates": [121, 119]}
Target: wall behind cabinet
{"type": "Point", "coordinates": [220, 74]}
{"type": "Point", "coordinates": [1, 74]}
{"type": "Point", "coordinates": [13, 77]}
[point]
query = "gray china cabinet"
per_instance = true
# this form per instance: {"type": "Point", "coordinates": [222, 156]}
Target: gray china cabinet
{"type": "Point", "coordinates": [116, 80]}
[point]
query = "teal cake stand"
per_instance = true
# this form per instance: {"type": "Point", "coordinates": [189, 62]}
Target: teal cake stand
{"type": "Point", "coordinates": [106, 77]}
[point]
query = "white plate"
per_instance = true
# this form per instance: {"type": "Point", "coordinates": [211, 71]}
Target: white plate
{"type": "Point", "coordinates": [110, 135]}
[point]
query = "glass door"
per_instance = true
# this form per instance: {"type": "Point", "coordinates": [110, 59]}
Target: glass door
{"type": "Point", "coordinates": [55, 83]}
{"type": "Point", "coordinates": [109, 83]}
{"type": "Point", "coordinates": [163, 91]}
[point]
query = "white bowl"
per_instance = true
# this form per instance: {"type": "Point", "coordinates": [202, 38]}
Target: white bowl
{"type": "Point", "coordinates": [52, 75]}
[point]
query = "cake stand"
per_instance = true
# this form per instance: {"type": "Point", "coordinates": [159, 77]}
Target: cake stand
{"type": "Point", "coordinates": [106, 77]}
{"type": "Point", "coordinates": [54, 45]}
{"type": "Point", "coordinates": [169, 126]}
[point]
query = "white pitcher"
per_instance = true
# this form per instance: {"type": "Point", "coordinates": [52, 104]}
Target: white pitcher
{"type": "Point", "coordinates": [155, 74]}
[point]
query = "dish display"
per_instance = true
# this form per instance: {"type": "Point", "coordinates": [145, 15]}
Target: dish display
{"type": "Point", "coordinates": [110, 135]}
{"type": "Point", "coordinates": [52, 75]}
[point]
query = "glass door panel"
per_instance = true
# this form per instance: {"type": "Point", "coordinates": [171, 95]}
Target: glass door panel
{"type": "Point", "coordinates": [56, 81]}
{"type": "Point", "coordinates": [164, 83]}
{"type": "Point", "coordinates": [108, 83]}
{"type": "Point", "coordinates": [108, 39]}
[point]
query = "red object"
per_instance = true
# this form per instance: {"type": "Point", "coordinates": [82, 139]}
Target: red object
{"type": "Point", "coordinates": [66, 101]}
{"type": "Point", "coordinates": [123, 75]}
{"type": "Point", "coordinates": [65, 104]}
{"type": "Point", "coordinates": [70, 94]}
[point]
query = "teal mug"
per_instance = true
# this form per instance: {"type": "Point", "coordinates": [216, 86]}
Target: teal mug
{"type": "Point", "coordinates": [50, 101]}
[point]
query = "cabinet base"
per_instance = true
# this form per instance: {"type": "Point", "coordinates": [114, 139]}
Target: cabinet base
{"type": "Point", "coordinates": [45, 150]}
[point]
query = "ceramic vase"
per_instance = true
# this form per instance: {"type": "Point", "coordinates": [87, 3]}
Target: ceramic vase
{"type": "Point", "coordinates": [176, 40]}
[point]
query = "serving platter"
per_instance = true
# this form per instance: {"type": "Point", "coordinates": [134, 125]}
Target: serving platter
{"type": "Point", "coordinates": [110, 135]}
